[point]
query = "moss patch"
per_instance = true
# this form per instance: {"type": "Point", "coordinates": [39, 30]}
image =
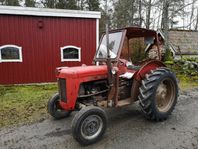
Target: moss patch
{"type": "Point", "coordinates": [186, 70]}
{"type": "Point", "coordinates": [21, 104]}
{"type": "Point", "coordinates": [187, 82]}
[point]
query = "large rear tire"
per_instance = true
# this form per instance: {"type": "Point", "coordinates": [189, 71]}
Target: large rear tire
{"type": "Point", "coordinates": [89, 125]}
{"type": "Point", "coordinates": [54, 108]}
{"type": "Point", "coordinates": [158, 94]}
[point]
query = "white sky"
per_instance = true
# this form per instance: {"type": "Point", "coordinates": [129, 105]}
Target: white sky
{"type": "Point", "coordinates": [184, 20]}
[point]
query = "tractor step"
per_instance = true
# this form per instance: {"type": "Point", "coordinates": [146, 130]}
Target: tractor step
{"type": "Point", "coordinates": [124, 102]}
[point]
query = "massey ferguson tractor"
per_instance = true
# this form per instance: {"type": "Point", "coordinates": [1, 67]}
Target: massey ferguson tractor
{"type": "Point", "coordinates": [114, 81]}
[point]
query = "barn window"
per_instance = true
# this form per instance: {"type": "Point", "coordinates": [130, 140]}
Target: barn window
{"type": "Point", "coordinates": [70, 53]}
{"type": "Point", "coordinates": [10, 53]}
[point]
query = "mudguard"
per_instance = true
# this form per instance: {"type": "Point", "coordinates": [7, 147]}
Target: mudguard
{"type": "Point", "coordinates": [140, 75]}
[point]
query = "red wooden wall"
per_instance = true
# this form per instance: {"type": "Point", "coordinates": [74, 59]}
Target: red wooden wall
{"type": "Point", "coordinates": [41, 46]}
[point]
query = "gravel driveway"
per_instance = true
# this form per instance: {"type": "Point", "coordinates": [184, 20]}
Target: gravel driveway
{"type": "Point", "coordinates": [127, 129]}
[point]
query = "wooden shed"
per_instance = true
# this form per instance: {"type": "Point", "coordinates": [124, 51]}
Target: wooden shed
{"type": "Point", "coordinates": [34, 41]}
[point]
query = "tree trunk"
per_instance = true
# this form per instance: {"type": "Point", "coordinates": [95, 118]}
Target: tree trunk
{"type": "Point", "coordinates": [159, 20]}
{"type": "Point", "coordinates": [192, 13]}
{"type": "Point", "coordinates": [140, 13]}
{"type": "Point", "coordinates": [148, 15]}
{"type": "Point", "coordinates": [196, 25]}
{"type": "Point", "coordinates": [172, 16]}
{"type": "Point", "coordinates": [132, 13]}
{"type": "Point", "coordinates": [166, 22]}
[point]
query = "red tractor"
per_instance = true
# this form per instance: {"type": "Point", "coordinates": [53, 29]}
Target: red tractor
{"type": "Point", "coordinates": [114, 81]}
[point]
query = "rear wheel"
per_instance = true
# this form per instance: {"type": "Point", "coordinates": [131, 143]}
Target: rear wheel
{"type": "Point", "coordinates": [54, 108]}
{"type": "Point", "coordinates": [158, 94]}
{"type": "Point", "coordinates": [89, 124]}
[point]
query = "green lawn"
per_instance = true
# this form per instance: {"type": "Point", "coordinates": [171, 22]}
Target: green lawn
{"type": "Point", "coordinates": [21, 104]}
{"type": "Point", "coordinates": [27, 103]}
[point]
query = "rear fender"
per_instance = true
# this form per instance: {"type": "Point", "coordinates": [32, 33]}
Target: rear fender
{"type": "Point", "coordinates": [146, 68]}
{"type": "Point", "coordinates": [140, 75]}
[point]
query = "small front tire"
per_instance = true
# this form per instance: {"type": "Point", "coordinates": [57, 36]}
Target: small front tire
{"type": "Point", "coordinates": [54, 108]}
{"type": "Point", "coordinates": [89, 125]}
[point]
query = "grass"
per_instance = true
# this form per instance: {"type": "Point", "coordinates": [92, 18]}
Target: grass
{"type": "Point", "coordinates": [187, 82]}
{"type": "Point", "coordinates": [27, 103]}
{"type": "Point", "coordinates": [22, 104]}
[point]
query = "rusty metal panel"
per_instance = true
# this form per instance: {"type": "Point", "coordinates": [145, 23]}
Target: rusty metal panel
{"type": "Point", "coordinates": [41, 39]}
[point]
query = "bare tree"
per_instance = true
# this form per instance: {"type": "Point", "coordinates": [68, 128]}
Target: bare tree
{"type": "Point", "coordinates": [196, 25]}
{"type": "Point", "coordinates": [148, 14]}
{"type": "Point", "coordinates": [81, 4]}
{"type": "Point", "coordinates": [165, 21]}
{"type": "Point", "coordinates": [140, 13]}
{"type": "Point", "coordinates": [172, 16]}
{"type": "Point", "coordinates": [192, 13]}
{"type": "Point", "coordinates": [49, 3]}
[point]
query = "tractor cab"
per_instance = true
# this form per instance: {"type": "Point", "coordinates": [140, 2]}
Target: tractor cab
{"type": "Point", "coordinates": [121, 43]}
{"type": "Point", "coordinates": [127, 49]}
{"type": "Point", "coordinates": [122, 74]}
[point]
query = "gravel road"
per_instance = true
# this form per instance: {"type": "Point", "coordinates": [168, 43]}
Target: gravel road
{"type": "Point", "coordinates": [127, 129]}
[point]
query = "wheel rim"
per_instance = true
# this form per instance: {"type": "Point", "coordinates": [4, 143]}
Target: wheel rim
{"type": "Point", "coordinates": [91, 127]}
{"type": "Point", "coordinates": [165, 95]}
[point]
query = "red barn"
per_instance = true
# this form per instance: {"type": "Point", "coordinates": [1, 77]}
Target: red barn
{"type": "Point", "coordinates": [34, 41]}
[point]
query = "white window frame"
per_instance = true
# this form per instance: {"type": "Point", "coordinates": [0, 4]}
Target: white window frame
{"type": "Point", "coordinates": [70, 60]}
{"type": "Point", "coordinates": [97, 33]}
{"type": "Point", "coordinates": [12, 60]}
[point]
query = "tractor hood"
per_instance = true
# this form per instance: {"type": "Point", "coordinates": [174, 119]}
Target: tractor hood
{"type": "Point", "coordinates": [82, 71]}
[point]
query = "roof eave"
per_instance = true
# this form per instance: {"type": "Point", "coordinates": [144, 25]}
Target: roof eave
{"type": "Point", "coordinates": [29, 11]}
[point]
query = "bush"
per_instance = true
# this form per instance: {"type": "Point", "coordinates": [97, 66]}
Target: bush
{"type": "Point", "coordinates": [168, 55]}
{"type": "Point", "coordinates": [187, 66]}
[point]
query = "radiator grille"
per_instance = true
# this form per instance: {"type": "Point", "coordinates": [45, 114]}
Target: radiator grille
{"type": "Point", "coordinates": [62, 89]}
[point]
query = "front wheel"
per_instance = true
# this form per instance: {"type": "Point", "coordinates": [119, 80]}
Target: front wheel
{"type": "Point", "coordinates": [54, 108]}
{"type": "Point", "coordinates": [89, 124]}
{"type": "Point", "coordinates": [158, 94]}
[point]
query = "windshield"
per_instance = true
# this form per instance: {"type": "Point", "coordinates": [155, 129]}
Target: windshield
{"type": "Point", "coordinates": [114, 44]}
